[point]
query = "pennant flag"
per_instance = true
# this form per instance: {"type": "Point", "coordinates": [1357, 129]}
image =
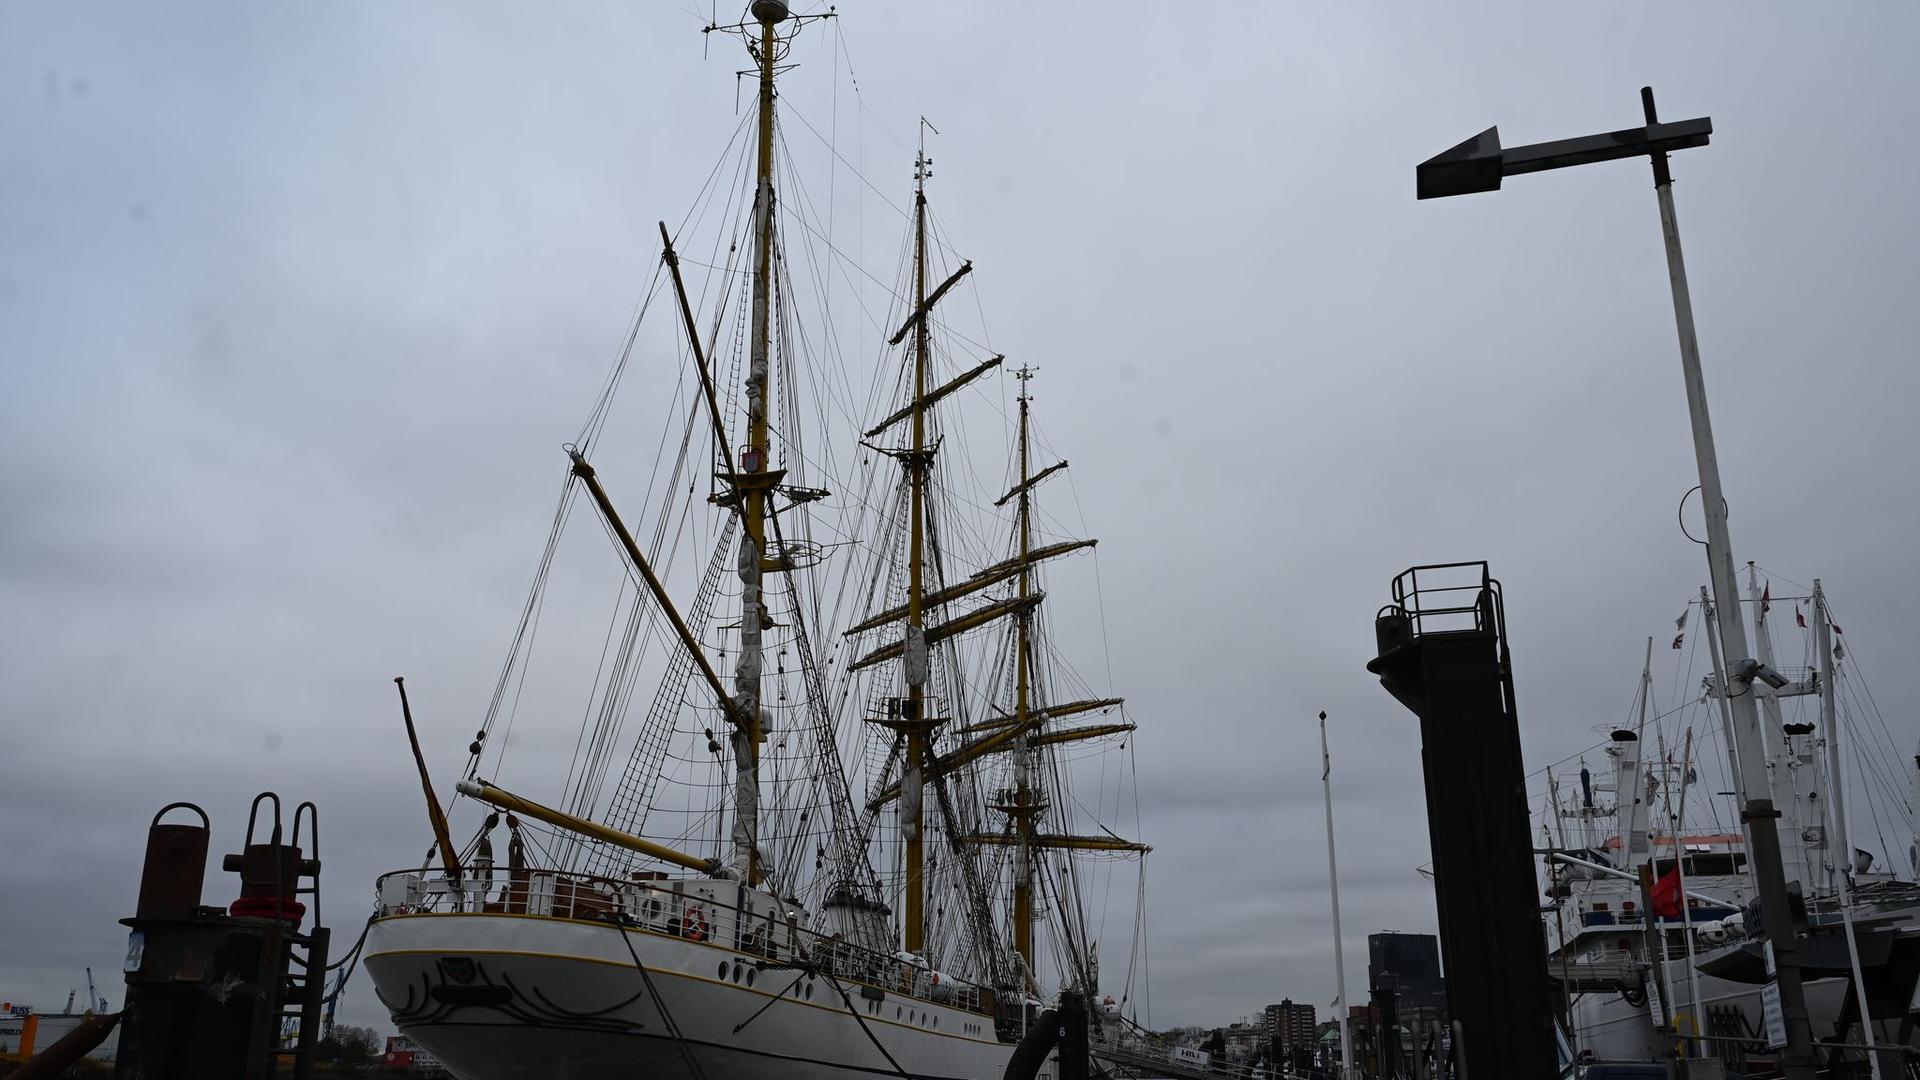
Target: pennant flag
{"type": "Point", "coordinates": [1681, 622]}
{"type": "Point", "coordinates": [1836, 627]}
{"type": "Point", "coordinates": [1677, 639]}
{"type": "Point", "coordinates": [1766, 598]}
{"type": "Point", "coordinates": [1799, 618]}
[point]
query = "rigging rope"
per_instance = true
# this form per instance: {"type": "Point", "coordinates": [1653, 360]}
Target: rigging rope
{"type": "Point", "coordinates": [621, 918]}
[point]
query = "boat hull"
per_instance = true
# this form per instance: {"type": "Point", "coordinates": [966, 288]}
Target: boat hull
{"type": "Point", "coordinates": [513, 997]}
{"type": "Point", "coordinates": [1614, 1030]}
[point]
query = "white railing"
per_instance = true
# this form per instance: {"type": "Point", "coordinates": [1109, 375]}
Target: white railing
{"type": "Point", "coordinates": [682, 908]}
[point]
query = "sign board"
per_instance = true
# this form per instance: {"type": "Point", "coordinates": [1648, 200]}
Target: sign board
{"type": "Point", "coordinates": [1186, 1055]}
{"type": "Point", "coordinates": [1656, 1005]}
{"type": "Point", "coordinates": [1771, 1014]}
{"type": "Point", "coordinates": [1773, 971]}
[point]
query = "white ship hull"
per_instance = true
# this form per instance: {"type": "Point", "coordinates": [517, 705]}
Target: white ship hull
{"type": "Point", "coordinates": [1614, 1030]}
{"type": "Point", "coordinates": [515, 997]}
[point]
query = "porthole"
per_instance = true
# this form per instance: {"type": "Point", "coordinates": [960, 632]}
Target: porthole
{"type": "Point", "coordinates": [898, 1012]}
{"type": "Point", "coordinates": [736, 971]}
{"type": "Point", "coordinates": [723, 969]}
{"type": "Point", "coordinates": [749, 976]}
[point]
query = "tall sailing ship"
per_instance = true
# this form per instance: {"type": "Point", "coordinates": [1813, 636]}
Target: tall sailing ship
{"type": "Point", "coordinates": [859, 850]}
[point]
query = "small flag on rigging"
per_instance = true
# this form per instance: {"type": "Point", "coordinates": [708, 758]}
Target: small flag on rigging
{"type": "Point", "coordinates": [1681, 622]}
{"type": "Point", "coordinates": [1766, 598]}
{"type": "Point", "coordinates": [1677, 639]}
{"type": "Point", "coordinates": [1799, 618]}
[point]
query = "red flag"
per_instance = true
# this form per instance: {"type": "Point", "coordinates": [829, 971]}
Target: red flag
{"type": "Point", "coordinates": [1666, 894]}
{"type": "Point", "coordinates": [1677, 639]}
{"type": "Point", "coordinates": [1766, 598]}
{"type": "Point", "coordinates": [1799, 618]}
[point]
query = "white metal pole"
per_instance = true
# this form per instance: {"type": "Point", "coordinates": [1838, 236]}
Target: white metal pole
{"type": "Point", "coordinates": [1795, 861]}
{"type": "Point", "coordinates": [1666, 959]}
{"type": "Point", "coordinates": [1837, 810]}
{"type": "Point", "coordinates": [1640, 810]}
{"type": "Point", "coordinates": [1736, 774]}
{"type": "Point", "coordinates": [1764, 846]}
{"type": "Point", "coordinates": [1333, 881]}
{"type": "Point", "coordinates": [1830, 727]}
{"type": "Point", "coordinates": [1679, 862]}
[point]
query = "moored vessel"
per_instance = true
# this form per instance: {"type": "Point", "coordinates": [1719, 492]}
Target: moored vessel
{"type": "Point", "coordinates": [841, 838]}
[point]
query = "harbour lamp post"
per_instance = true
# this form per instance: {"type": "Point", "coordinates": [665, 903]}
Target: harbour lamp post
{"type": "Point", "coordinates": [1479, 164]}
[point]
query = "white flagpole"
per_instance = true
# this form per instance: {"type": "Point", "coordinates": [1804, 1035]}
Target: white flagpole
{"type": "Point", "coordinates": [1333, 879]}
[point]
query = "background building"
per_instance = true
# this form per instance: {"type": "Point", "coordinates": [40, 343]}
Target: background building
{"type": "Point", "coordinates": [1290, 1026]}
{"type": "Point", "coordinates": [1409, 997]}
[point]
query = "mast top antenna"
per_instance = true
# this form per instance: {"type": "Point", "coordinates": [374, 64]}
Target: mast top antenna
{"type": "Point", "coordinates": [763, 16]}
{"type": "Point", "coordinates": [922, 164]}
{"type": "Point", "coordinates": [1025, 373]}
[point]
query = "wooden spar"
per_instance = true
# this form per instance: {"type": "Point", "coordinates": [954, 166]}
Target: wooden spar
{"type": "Point", "coordinates": [1065, 735]}
{"type": "Point", "coordinates": [1052, 712]}
{"type": "Point", "coordinates": [1027, 484]}
{"type": "Point", "coordinates": [971, 620]}
{"type": "Point", "coordinates": [1006, 738]}
{"type": "Point", "coordinates": [448, 857]}
{"type": "Point", "coordinates": [949, 387]}
{"type": "Point", "coordinates": [1056, 840]}
{"type": "Point", "coordinates": [699, 356]}
{"type": "Point", "coordinates": [560, 819]}
{"type": "Point", "coordinates": [587, 475]}
{"type": "Point", "coordinates": [992, 575]}
{"type": "Point", "coordinates": [919, 316]}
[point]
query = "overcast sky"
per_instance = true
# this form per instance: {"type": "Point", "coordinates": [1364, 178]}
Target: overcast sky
{"type": "Point", "coordinates": [297, 302]}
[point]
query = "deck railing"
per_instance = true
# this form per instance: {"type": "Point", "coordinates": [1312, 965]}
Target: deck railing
{"type": "Point", "coordinates": [679, 908]}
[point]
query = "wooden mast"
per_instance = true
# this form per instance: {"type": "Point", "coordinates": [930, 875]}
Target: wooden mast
{"type": "Point", "coordinates": [914, 658]}
{"type": "Point", "coordinates": [754, 481]}
{"type": "Point", "coordinates": [1024, 810]}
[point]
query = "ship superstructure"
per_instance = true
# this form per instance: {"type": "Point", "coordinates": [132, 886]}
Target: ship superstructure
{"type": "Point", "coordinates": [1650, 956]}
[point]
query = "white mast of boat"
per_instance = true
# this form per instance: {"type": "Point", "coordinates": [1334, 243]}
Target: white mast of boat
{"type": "Point", "coordinates": [1795, 861]}
{"type": "Point", "coordinates": [1635, 829]}
{"type": "Point", "coordinates": [1663, 962]}
{"type": "Point", "coordinates": [1762, 845]}
{"type": "Point", "coordinates": [1333, 881]}
{"type": "Point", "coordinates": [1720, 689]}
{"type": "Point", "coordinates": [1679, 856]}
{"type": "Point", "coordinates": [1837, 811]}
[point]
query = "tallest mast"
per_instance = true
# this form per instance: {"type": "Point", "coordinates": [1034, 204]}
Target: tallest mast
{"type": "Point", "coordinates": [1024, 808]}
{"type": "Point", "coordinates": [755, 481]}
{"type": "Point", "coordinates": [914, 658]}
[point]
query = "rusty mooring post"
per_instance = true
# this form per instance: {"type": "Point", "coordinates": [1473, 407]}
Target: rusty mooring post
{"type": "Point", "coordinates": [223, 993]}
